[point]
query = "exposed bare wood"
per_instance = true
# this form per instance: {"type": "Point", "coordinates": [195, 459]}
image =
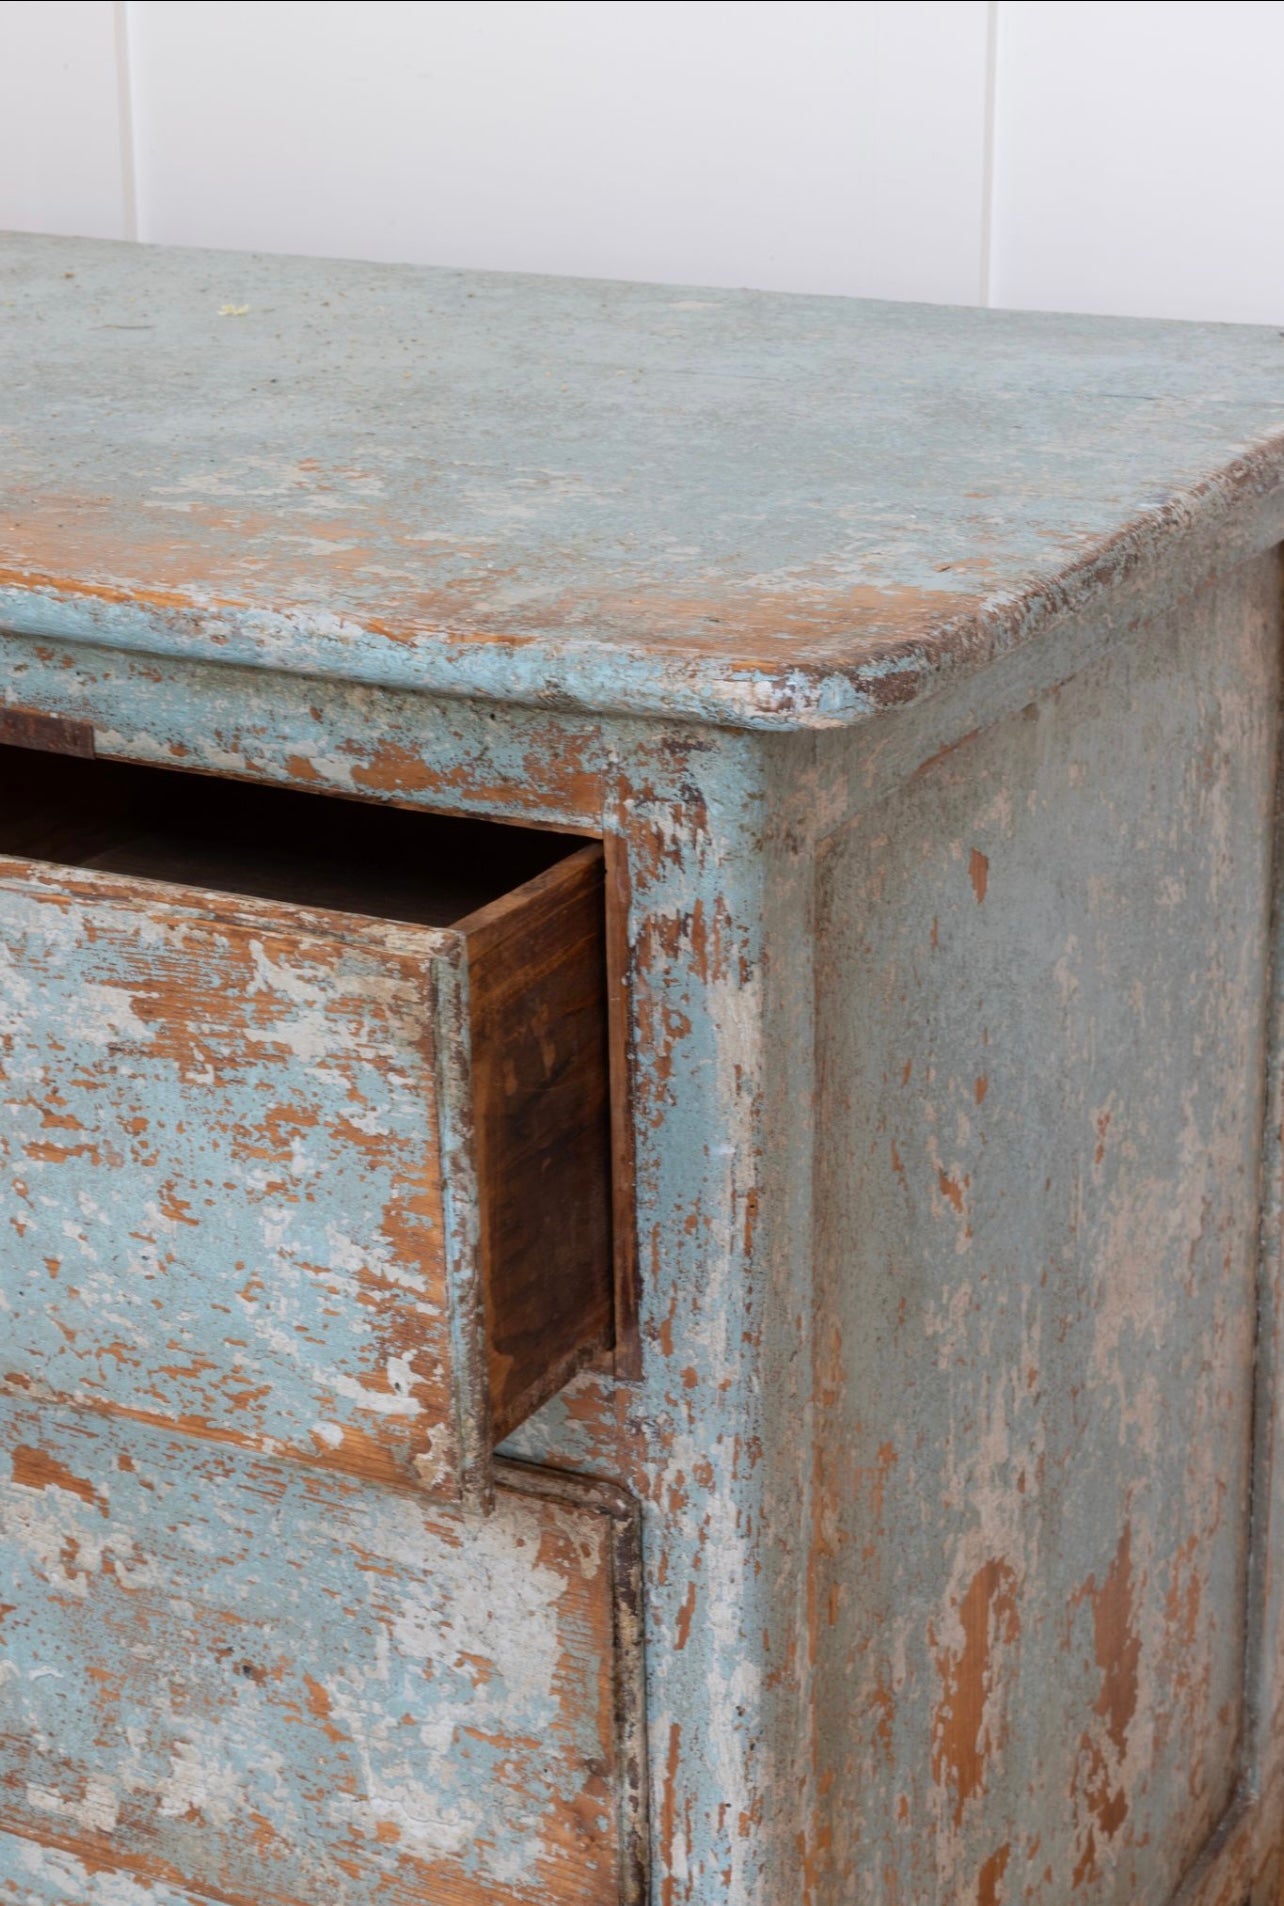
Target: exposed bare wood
{"type": "Point", "coordinates": [391, 1700]}
{"type": "Point", "coordinates": [537, 983]}
{"type": "Point", "coordinates": [32, 728]}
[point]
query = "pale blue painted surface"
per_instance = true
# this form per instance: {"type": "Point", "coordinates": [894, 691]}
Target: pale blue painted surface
{"type": "Point", "coordinates": [35, 1875]}
{"type": "Point", "coordinates": [744, 506]}
{"type": "Point", "coordinates": [280, 1685]}
{"type": "Point", "coordinates": [221, 1179]}
{"type": "Point", "coordinates": [1043, 986]}
{"type": "Point", "coordinates": [746, 510]}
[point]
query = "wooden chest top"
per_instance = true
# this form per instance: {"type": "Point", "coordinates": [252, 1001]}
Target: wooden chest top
{"type": "Point", "coordinates": [757, 509]}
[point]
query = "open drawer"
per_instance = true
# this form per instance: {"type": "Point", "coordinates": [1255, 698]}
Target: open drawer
{"type": "Point", "coordinates": [303, 1115]}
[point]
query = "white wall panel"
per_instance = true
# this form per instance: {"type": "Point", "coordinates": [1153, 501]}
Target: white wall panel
{"type": "Point", "coordinates": [1115, 155]}
{"type": "Point", "coordinates": [1139, 157]}
{"type": "Point", "coordinates": [823, 145]}
{"type": "Point", "coordinates": [63, 154]}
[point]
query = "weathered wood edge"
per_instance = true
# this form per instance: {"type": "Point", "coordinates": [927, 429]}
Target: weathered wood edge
{"type": "Point", "coordinates": [494, 918]}
{"type": "Point", "coordinates": [621, 1059]}
{"type": "Point", "coordinates": [858, 768]}
{"type": "Point", "coordinates": [447, 1030]}
{"type": "Point", "coordinates": [1238, 1866]}
{"type": "Point", "coordinates": [628, 1601]}
{"type": "Point", "coordinates": [1240, 507]}
{"type": "Point", "coordinates": [241, 911]}
{"type": "Point", "coordinates": [530, 769]}
{"type": "Point", "coordinates": [52, 734]}
{"type": "Point", "coordinates": [489, 935]}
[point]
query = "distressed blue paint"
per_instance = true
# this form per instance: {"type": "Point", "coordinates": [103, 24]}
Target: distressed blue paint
{"type": "Point", "coordinates": [716, 1439]}
{"type": "Point", "coordinates": [1042, 986]}
{"type": "Point", "coordinates": [741, 506]}
{"type": "Point", "coordinates": [786, 513]}
{"type": "Point", "coordinates": [374, 744]}
{"type": "Point", "coordinates": [35, 1875]}
{"type": "Point", "coordinates": [221, 1186]}
{"type": "Point", "coordinates": [280, 1685]}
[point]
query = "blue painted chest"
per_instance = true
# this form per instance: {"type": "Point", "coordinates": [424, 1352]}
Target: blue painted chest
{"type": "Point", "coordinates": [640, 1110]}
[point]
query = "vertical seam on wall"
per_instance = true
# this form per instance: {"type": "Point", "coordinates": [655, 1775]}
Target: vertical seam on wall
{"type": "Point", "coordinates": [125, 116]}
{"type": "Point", "coordinates": [987, 161]}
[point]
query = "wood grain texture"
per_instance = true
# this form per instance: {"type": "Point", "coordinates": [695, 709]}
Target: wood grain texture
{"type": "Point", "coordinates": [958, 1472]}
{"type": "Point", "coordinates": [538, 1039]}
{"type": "Point", "coordinates": [35, 1874]}
{"type": "Point", "coordinates": [34, 728]}
{"type": "Point", "coordinates": [276, 1687]}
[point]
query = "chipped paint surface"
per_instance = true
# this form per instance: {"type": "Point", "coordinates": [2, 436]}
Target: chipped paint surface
{"type": "Point", "coordinates": [36, 1875]}
{"type": "Point", "coordinates": [1040, 1119]}
{"type": "Point", "coordinates": [1018, 1663]}
{"type": "Point", "coordinates": [268, 1684]}
{"type": "Point", "coordinates": [819, 1628]}
{"type": "Point", "coordinates": [750, 508]}
{"type": "Point", "coordinates": [947, 1040]}
{"type": "Point", "coordinates": [221, 1186]}
{"type": "Point", "coordinates": [713, 1438]}
{"type": "Point", "coordinates": [342, 740]}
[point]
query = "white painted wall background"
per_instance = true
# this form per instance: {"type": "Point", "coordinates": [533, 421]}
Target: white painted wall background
{"type": "Point", "coordinates": [1096, 155]}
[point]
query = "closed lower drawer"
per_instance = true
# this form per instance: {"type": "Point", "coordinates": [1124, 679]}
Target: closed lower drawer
{"type": "Point", "coordinates": [303, 1115]}
{"type": "Point", "coordinates": [266, 1685]}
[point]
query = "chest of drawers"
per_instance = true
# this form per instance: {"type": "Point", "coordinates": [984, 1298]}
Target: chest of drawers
{"type": "Point", "coordinates": [640, 1112]}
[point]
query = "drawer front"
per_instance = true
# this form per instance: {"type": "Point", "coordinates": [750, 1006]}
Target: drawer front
{"type": "Point", "coordinates": [234, 1186]}
{"type": "Point", "coordinates": [270, 1685]}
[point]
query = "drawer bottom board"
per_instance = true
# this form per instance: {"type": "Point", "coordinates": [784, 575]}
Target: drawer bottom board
{"type": "Point", "coordinates": [264, 1685]}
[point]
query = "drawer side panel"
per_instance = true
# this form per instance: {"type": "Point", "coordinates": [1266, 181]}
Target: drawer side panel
{"type": "Point", "coordinates": [537, 984]}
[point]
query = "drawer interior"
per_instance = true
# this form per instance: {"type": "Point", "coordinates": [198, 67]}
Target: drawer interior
{"type": "Point", "coordinates": [524, 913]}
{"type": "Point", "coordinates": [309, 850]}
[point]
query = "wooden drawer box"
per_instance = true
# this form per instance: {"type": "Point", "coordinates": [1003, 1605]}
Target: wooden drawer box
{"type": "Point", "coordinates": [272, 1686]}
{"type": "Point", "coordinates": [304, 1115]}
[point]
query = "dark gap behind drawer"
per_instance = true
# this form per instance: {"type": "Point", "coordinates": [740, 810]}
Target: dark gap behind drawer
{"type": "Point", "coordinates": [309, 850]}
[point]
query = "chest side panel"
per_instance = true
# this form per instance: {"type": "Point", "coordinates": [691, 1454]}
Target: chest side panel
{"type": "Point", "coordinates": [1040, 1020]}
